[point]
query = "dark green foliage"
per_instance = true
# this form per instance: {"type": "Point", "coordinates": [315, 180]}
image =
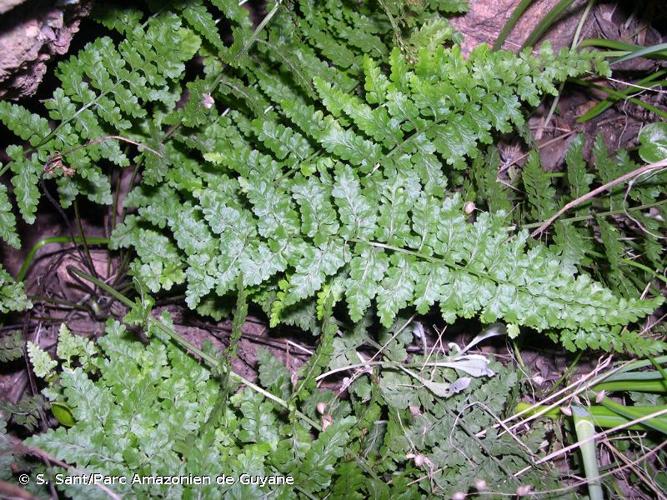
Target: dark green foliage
{"type": "Point", "coordinates": [25, 413]}
{"type": "Point", "coordinates": [138, 417]}
{"type": "Point", "coordinates": [12, 295]}
{"type": "Point", "coordinates": [11, 346]}
{"type": "Point", "coordinates": [619, 233]}
{"type": "Point", "coordinates": [304, 165]}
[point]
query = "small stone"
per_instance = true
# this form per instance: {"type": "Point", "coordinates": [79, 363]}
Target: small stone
{"type": "Point", "coordinates": [207, 101]}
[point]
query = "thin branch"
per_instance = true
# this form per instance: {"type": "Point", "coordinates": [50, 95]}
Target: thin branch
{"type": "Point", "coordinates": [599, 435]}
{"type": "Point", "coordinates": [651, 167]}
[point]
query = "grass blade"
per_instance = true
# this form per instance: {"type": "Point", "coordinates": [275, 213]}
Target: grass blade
{"type": "Point", "coordinates": [546, 23]}
{"type": "Point", "coordinates": [585, 430]}
{"type": "Point", "coordinates": [654, 386]}
{"type": "Point", "coordinates": [511, 22]}
{"type": "Point", "coordinates": [603, 417]}
{"type": "Point", "coordinates": [658, 49]}
{"type": "Point", "coordinates": [619, 95]}
{"type": "Point", "coordinates": [632, 413]}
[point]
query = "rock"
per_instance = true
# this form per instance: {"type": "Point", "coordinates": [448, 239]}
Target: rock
{"type": "Point", "coordinates": [30, 35]}
{"type": "Point", "coordinates": [486, 18]}
{"type": "Point", "coordinates": [7, 5]}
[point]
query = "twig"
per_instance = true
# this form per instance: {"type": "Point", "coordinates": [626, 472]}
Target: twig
{"type": "Point", "coordinates": [599, 435]}
{"type": "Point", "coordinates": [43, 455]}
{"type": "Point", "coordinates": [651, 167]}
{"type": "Point", "coordinates": [577, 387]}
{"type": "Point", "coordinates": [647, 480]}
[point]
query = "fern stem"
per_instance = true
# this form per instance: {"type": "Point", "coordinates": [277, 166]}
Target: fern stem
{"type": "Point", "coordinates": [74, 116]}
{"type": "Point", "coordinates": [225, 363]}
{"type": "Point", "coordinates": [82, 235]}
{"type": "Point", "coordinates": [27, 262]}
{"type": "Point", "coordinates": [428, 258]}
{"type": "Point", "coordinates": [209, 360]}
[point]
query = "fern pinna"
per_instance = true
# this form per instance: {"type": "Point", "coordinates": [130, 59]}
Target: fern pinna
{"type": "Point", "coordinates": [312, 154]}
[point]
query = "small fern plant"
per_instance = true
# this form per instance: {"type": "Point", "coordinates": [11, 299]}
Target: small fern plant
{"type": "Point", "coordinates": [310, 160]}
{"type": "Point", "coordinates": [144, 413]}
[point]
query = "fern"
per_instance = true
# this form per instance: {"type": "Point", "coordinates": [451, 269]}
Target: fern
{"type": "Point", "coordinates": [11, 346]}
{"type": "Point", "coordinates": [484, 186]}
{"type": "Point", "coordinates": [25, 413]}
{"type": "Point", "coordinates": [306, 180]}
{"type": "Point", "coordinates": [12, 294]}
{"type": "Point", "coordinates": [141, 384]}
{"type": "Point", "coordinates": [621, 242]}
{"type": "Point", "coordinates": [541, 194]}
{"type": "Point", "coordinates": [366, 204]}
{"type": "Point", "coordinates": [134, 421]}
{"type": "Point", "coordinates": [107, 91]}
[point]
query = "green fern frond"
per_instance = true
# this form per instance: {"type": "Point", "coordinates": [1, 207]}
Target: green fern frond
{"type": "Point", "coordinates": [12, 294]}
{"type": "Point", "coordinates": [307, 179]}
{"type": "Point", "coordinates": [541, 193]}
{"type": "Point", "coordinates": [11, 346]}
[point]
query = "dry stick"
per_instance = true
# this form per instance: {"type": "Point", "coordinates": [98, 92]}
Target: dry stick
{"type": "Point", "coordinates": [565, 390]}
{"type": "Point", "coordinates": [599, 435]}
{"type": "Point", "coordinates": [541, 494]}
{"type": "Point", "coordinates": [647, 480]}
{"type": "Point", "coordinates": [651, 167]}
